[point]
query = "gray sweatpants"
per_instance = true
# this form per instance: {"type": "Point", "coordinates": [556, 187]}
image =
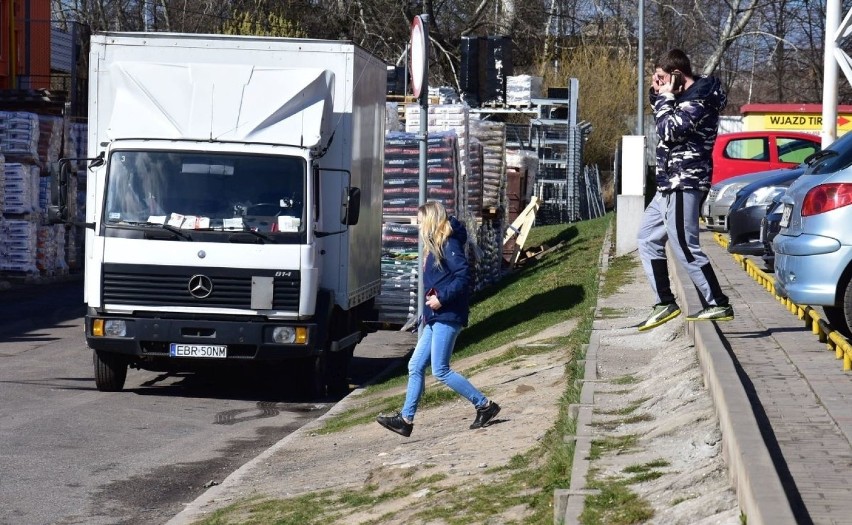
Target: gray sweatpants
{"type": "Point", "coordinates": [674, 216]}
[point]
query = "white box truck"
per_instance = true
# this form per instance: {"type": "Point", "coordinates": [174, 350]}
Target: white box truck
{"type": "Point", "coordinates": [234, 197]}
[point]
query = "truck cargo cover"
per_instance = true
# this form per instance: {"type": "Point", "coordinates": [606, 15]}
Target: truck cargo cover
{"type": "Point", "coordinates": [221, 102]}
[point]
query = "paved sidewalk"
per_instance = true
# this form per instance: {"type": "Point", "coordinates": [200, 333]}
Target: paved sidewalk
{"type": "Point", "coordinates": [801, 397]}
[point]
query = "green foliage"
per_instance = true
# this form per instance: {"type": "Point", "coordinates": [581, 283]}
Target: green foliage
{"type": "Point", "coordinates": [607, 81]}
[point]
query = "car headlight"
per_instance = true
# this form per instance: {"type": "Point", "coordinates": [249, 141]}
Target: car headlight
{"type": "Point", "coordinates": [730, 191]}
{"type": "Point", "coordinates": [763, 196]}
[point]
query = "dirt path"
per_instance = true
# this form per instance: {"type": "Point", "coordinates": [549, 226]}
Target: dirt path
{"type": "Point", "coordinates": [678, 427]}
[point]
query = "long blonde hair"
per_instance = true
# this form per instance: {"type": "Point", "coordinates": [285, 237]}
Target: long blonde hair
{"type": "Point", "coordinates": [435, 229]}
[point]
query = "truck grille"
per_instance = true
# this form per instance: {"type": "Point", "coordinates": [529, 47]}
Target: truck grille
{"type": "Point", "coordinates": [169, 286]}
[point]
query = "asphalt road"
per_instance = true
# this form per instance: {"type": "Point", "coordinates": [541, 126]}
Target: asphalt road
{"type": "Point", "coordinates": [72, 455]}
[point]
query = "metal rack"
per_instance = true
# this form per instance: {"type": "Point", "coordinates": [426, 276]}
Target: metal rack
{"type": "Point", "coordinates": [557, 136]}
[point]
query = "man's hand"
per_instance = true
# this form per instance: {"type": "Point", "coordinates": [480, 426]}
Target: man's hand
{"type": "Point", "coordinates": [662, 86]}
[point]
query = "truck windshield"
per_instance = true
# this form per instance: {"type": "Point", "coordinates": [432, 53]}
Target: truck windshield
{"type": "Point", "coordinates": [213, 191]}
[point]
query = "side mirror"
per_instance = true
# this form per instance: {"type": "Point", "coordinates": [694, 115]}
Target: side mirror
{"type": "Point", "coordinates": [57, 210]}
{"type": "Point", "coordinates": [353, 206]}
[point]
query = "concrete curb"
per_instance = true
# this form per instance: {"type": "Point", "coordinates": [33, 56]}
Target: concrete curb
{"type": "Point", "coordinates": [568, 504]}
{"type": "Point", "coordinates": [760, 494]}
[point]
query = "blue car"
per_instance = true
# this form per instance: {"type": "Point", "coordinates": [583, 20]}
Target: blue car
{"type": "Point", "coordinates": [813, 248]}
{"type": "Point", "coordinates": [750, 207]}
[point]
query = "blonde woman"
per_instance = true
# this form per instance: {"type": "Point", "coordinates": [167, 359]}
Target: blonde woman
{"type": "Point", "coordinates": [445, 276]}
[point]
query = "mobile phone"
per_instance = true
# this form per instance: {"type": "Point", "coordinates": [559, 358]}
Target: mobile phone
{"type": "Point", "coordinates": [677, 81]}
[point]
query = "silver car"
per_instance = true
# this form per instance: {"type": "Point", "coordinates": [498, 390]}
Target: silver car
{"type": "Point", "coordinates": [722, 195]}
{"type": "Point", "coordinates": [813, 249]}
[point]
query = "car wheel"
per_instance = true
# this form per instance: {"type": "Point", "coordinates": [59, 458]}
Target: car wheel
{"type": "Point", "coordinates": [110, 371]}
{"type": "Point", "coordinates": [840, 317]}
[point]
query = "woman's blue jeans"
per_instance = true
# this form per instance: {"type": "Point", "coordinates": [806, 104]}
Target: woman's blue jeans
{"type": "Point", "coordinates": [436, 346]}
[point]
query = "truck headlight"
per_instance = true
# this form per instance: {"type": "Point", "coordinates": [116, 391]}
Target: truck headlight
{"type": "Point", "coordinates": [290, 334]}
{"type": "Point", "coordinates": [109, 328]}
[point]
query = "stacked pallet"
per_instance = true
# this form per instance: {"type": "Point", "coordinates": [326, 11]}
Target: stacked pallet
{"type": "Point", "coordinates": [18, 246]}
{"type": "Point", "coordinates": [401, 193]}
{"type": "Point", "coordinates": [492, 136]}
{"type": "Point", "coordinates": [76, 147]}
{"type": "Point", "coordinates": [20, 188]}
{"type": "Point", "coordinates": [19, 136]}
{"type": "Point", "coordinates": [397, 302]}
{"type": "Point", "coordinates": [521, 89]}
{"type": "Point", "coordinates": [473, 183]}
{"type": "Point", "coordinates": [31, 145]}
{"type": "Point", "coordinates": [441, 118]}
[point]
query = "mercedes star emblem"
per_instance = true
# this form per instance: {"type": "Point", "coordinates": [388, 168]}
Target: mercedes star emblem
{"type": "Point", "coordinates": [200, 286]}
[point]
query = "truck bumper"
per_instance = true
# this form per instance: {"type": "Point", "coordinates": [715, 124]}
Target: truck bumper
{"type": "Point", "coordinates": [245, 340]}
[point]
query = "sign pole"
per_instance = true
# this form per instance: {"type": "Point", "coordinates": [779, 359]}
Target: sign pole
{"type": "Point", "coordinates": [420, 87]}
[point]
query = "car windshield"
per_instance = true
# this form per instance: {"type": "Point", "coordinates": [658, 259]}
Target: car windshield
{"type": "Point", "coordinates": [213, 191]}
{"type": "Point", "coordinates": [835, 157]}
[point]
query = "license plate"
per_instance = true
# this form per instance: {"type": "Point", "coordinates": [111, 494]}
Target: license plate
{"type": "Point", "coordinates": [785, 215]}
{"type": "Point", "coordinates": [182, 350]}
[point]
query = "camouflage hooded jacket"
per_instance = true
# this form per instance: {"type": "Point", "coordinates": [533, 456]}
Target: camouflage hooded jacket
{"type": "Point", "coordinates": [687, 125]}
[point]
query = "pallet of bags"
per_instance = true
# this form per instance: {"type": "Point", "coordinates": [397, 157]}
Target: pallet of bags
{"type": "Point", "coordinates": [2, 184]}
{"type": "Point", "coordinates": [521, 89]}
{"type": "Point", "coordinates": [18, 246]}
{"type": "Point", "coordinates": [473, 182]}
{"type": "Point", "coordinates": [20, 188]}
{"type": "Point", "coordinates": [50, 139]}
{"type": "Point", "coordinates": [76, 142]}
{"type": "Point", "coordinates": [447, 117]}
{"type": "Point", "coordinates": [401, 186]}
{"type": "Point", "coordinates": [19, 136]}
{"type": "Point", "coordinates": [492, 136]}
{"type": "Point", "coordinates": [488, 268]}
{"type": "Point", "coordinates": [50, 250]}
{"type": "Point", "coordinates": [397, 302]}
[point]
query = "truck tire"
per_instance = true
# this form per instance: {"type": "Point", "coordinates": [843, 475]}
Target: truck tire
{"type": "Point", "coordinates": [337, 372]}
{"type": "Point", "coordinates": [110, 371]}
{"type": "Point", "coordinates": [840, 317]}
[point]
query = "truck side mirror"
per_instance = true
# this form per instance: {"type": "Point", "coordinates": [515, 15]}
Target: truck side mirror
{"type": "Point", "coordinates": [57, 210]}
{"type": "Point", "coordinates": [353, 206]}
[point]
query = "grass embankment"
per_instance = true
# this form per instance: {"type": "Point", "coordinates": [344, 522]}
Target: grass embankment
{"type": "Point", "coordinates": [560, 285]}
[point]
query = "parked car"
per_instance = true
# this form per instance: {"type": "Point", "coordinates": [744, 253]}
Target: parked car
{"type": "Point", "coordinates": [717, 205]}
{"type": "Point", "coordinates": [813, 249]}
{"type": "Point", "coordinates": [752, 151]}
{"type": "Point", "coordinates": [770, 225]}
{"type": "Point", "coordinates": [750, 207]}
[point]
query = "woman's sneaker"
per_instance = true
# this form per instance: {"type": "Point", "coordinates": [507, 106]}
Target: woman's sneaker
{"type": "Point", "coordinates": [713, 313]}
{"type": "Point", "coordinates": [396, 424]}
{"type": "Point", "coordinates": [485, 415]}
{"type": "Point", "coordinates": [661, 314]}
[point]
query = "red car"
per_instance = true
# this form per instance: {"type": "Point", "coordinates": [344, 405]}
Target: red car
{"type": "Point", "coordinates": [750, 151]}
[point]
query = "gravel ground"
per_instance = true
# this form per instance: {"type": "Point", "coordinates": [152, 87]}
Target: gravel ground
{"type": "Point", "coordinates": [678, 428]}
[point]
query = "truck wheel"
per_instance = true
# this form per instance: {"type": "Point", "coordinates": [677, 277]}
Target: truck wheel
{"type": "Point", "coordinates": [110, 371]}
{"type": "Point", "coordinates": [840, 317]}
{"type": "Point", "coordinates": [337, 372]}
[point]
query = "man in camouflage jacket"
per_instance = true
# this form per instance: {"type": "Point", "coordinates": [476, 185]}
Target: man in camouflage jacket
{"type": "Point", "coordinates": [686, 116]}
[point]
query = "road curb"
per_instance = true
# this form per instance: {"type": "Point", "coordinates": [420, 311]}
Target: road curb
{"type": "Point", "coordinates": [760, 494]}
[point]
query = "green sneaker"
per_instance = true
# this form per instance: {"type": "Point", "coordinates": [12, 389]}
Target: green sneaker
{"type": "Point", "coordinates": [713, 313]}
{"type": "Point", "coordinates": [661, 314]}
